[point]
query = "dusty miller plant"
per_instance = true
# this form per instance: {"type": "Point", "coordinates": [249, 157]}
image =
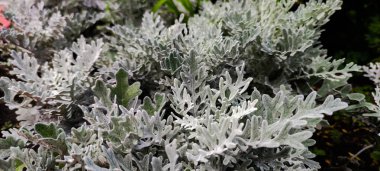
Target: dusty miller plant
{"type": "Point", "coordinates": [233, 88]}
{"type": "Point", "coordinates": [42, 26]}
{"type": "Point", "coordinates": [261, 33]}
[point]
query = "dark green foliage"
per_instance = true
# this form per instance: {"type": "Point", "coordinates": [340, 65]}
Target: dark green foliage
{"type": "Point", "coordinates": [123, 91]}
{"type": "Point", "coordinates": [47, 131]}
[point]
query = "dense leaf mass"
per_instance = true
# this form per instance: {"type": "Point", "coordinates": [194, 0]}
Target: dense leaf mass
{"type": "Point", "coordinates": [239, 85]}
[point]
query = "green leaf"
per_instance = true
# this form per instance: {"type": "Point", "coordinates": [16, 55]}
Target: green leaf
{"type": "Point", "coordinates": [375, 155]}
{"type": "Point", "coordinates": [319, 152]}
{"type": "Point", "coordinates": [102, 92]}
{"type": "Point", "coordinates": [160, 98]}
{"type": "Point", "coordinates": [172, 7]}
{"type": "Point", "coordinates": [150, 107]}
{"type": "Point", "coordinates": [329, 86]}
{"type": "Point", "coordinates": [361, 105]}
{"type": "Point", "coordinates": [132, 92]}
{"type": "Point", "coordinates": [158, 5]}
{"type": "Point", "coordinates": [59, 145]}
{"type": "Point", "coordinates": [356, 96]}
{"type": "Point", "coordinates": [47, 131]}
{"type": "Point", "coordinates": [188, 6]}
{"type": "Point", "coordinates": [123, 91]}
{"type": "Point", "coordinates": [20, 165]}
{"type": "Point", "coordinates": [10, 142]}
{"type": "Point", "coordinates": [172, 63]}
{"type": "Point", "coordinates": [52, 136]}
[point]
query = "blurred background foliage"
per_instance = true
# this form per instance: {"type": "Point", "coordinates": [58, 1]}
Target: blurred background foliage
{"type": "Point", "coordinates": [176, 7]}
{"type": "Point", "coordinates": [350, 141]}
{"type": "Point", "coordinates": [354, 32]}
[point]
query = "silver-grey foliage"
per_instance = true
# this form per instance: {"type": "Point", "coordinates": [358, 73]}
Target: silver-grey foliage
{"type": "Point", "coordinates": [233, 124]}
{"type": "Point", "coordinates": [262, 33]}
{"type": "Point", "coordinates": [51, 84]}
{"type": "Point", "coordinates": [215, 93]}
